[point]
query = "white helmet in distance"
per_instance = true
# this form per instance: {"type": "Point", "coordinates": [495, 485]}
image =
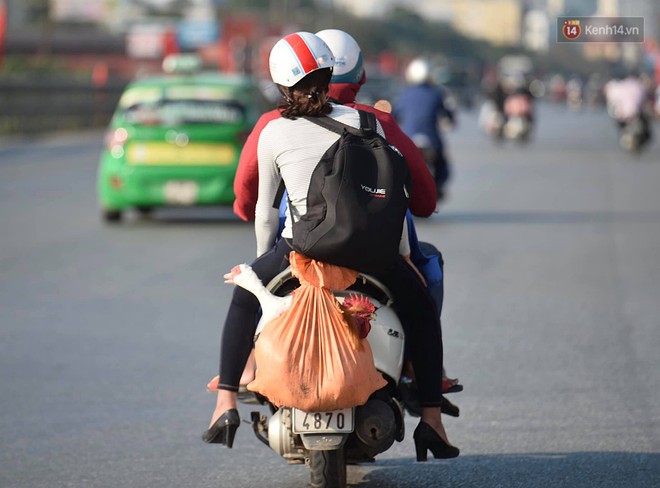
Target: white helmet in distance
{"type": "Point", "coordinates": [295, 56]}
{"type": "Point", "coordinates": [349, 67]}
{"type": "Point", "coordinates": [418, 71]}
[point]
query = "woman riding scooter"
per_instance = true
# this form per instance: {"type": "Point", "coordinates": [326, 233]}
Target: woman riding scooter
{"type": "Point", "coordinates": [348, 76]}
{"type": "Point", "coordinates": [289, 148]}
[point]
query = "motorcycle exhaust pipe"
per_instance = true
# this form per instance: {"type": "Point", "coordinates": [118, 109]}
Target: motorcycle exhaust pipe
{"type": "Point", "coordinates": [375, 426]}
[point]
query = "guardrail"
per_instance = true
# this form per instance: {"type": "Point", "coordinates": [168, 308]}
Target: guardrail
{"type": "Point", "coordinates": [29, 105]}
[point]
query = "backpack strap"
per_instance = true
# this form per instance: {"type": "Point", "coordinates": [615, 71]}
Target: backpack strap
{"type": "Point", "coordinates": [279, 194]}
{"type": "Point", "coordinates": [327, 123]}
{"type": "Point", "coordinates": [367, 122]}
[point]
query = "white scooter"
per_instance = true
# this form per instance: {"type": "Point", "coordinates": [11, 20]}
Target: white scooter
{"type": "Point", "coordinates": [327, 441]}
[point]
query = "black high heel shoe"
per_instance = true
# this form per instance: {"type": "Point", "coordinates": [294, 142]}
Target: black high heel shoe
{"type": "Point", "coordinates": [224, 429]}
{"type": "Point", "coordinates": [426, 438]}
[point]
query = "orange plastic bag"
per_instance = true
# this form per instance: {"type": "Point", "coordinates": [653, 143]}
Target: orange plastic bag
{"type": "Point", "coordinates": [309, 357]}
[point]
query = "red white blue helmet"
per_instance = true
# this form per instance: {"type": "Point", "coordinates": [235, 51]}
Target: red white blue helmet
{"type": "Point", "coordinates": [349, 67]}
{"type": "Point", "coordinates": [295, 56]}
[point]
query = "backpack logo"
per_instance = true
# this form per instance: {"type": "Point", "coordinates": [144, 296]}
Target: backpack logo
{"type": "Point", "coordinates": [375, 192]}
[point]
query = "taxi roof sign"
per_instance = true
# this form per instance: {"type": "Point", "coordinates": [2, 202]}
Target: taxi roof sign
{"type": "Point", "coordinates": [181, 63]}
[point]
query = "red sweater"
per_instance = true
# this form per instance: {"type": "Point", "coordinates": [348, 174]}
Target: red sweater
{"type": "Point", "coordinates": [246, 183]}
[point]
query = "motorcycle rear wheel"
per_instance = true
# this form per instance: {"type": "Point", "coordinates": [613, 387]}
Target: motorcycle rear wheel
{"type": "Point", "coordinates": [328, 469]}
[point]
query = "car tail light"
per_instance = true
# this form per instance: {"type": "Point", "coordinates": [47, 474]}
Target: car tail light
{"type": "Point", "coordinates": [115, 140]}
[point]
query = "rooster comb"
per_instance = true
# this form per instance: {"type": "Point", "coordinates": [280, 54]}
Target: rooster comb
{"type": "Point", "coordinates": [359, 302]}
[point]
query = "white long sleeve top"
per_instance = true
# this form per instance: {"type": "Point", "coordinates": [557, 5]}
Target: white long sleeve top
{"type": "Point", "coordinates": [290, 150]}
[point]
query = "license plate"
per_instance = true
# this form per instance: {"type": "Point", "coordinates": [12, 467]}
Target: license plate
{"type": "Point", "coordinates": [336, 421]}
{"type": "Point", "coordinates": [181, 192]}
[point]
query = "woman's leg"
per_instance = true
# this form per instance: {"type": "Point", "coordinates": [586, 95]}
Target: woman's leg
{"type": "Point", "coordinates": [420, 320]}
{"type": "Point", "coordinates": [419, 316]}
{"type": "Point", "coordinates": [240, 325]}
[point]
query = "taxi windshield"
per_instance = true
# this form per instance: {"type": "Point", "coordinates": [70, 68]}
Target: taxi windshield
{"type": "Point", "coordinates": [176, 104]}
{"type": "Point", "coordinates": [185, 111]}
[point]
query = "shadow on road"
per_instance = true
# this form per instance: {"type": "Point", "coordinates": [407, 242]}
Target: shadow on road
{"type": "Point", "coordinates": [572, 470]}
{"type": "Point", "coordinates": [221, 215]}
{"type": "Point", "coordinates": [167, 216]}
{"type": "Point", "coordinates": [549, 217]}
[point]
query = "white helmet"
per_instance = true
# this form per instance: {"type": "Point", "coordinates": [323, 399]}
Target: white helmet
{"type": "Point", "coordinates": [349, 67]}
{"type": "Point", "coordinates": [295, 56]}
{"type": "Point", "coordinates": [418, 72]}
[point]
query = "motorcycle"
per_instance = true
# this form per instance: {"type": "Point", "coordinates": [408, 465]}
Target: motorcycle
{"type": "Point", "coordinates": [327, 441]}
{"type": "Point", "coordinates": [518, 125]}
{"type": "Point", "coordinates": [513, 124]}
{"type": "Point", "coordinates": [517, 128]}
{"type": "Point", "coordinates": [633, 135]}
{"type": "Point", "coordinates": [423, 142]}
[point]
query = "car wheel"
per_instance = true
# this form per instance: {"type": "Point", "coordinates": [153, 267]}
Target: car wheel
{"type": "Point", "coordinates": [112, 215]}
{"type": "Point", "coordinates": [144, 211]}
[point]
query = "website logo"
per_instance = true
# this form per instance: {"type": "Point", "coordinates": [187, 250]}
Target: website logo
{"type": "Point", "coordinates": [571, 29]}
{"type": "Point", "coordinates": [600, 29]}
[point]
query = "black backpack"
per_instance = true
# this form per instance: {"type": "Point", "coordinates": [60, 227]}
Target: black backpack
{"type": "Point", "coordinates": [357, 200]}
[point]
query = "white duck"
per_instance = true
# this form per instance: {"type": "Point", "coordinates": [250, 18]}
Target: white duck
{"type": "Point", "coordinates": [271, 306]}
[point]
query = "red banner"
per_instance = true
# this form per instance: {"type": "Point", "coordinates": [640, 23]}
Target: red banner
{"type": "Point", "coordinates": [3, 25]}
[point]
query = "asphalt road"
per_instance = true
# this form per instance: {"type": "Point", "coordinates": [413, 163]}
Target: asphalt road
{"type": "Point", "coordinates": [108, 334]}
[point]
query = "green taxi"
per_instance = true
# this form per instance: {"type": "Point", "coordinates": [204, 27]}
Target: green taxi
{"type": "Point", "coordinates": [175, 139]}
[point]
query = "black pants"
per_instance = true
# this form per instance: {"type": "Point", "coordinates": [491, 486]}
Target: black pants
{"type": "Point", "coordinates": [437, 292]}
{"type": "Point", "coordinates": [413, 303]}
{"type": "Point", "coordinates": [442, 171]}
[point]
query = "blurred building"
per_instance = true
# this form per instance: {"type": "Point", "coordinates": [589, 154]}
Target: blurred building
{"type": "Point", "coordinates": [540, 28]}
{"type": "Point", "coordinates": [494, 21]}
{"type": "Point", "coordinates": [628, 53]}
{"type": "Point", "coordinates": [367, 8]}
{"type": "Point", "coordinates": [125, 35]}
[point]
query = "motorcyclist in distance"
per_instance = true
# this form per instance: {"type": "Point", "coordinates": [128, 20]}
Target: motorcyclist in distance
{"type": "Point", "coordinates": [626, 100]}
{"type": "Point", "coordinates": [419, 109]}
